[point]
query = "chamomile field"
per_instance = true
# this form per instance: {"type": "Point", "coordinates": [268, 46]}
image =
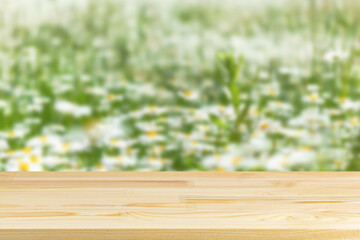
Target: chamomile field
{"type": "Point", "coordinates": [163, 85]}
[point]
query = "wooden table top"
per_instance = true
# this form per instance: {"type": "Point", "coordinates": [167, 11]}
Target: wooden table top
{"type": "Point", "coordinates": [180, 205]}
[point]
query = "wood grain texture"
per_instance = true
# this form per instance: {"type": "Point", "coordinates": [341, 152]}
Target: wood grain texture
{"type": "Point", "coordinates": [180, 205]}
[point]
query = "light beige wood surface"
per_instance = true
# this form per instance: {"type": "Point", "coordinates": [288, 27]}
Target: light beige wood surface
{"type": "Point", "coordinates": [180, 205]}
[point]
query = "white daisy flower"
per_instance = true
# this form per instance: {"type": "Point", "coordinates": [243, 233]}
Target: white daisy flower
{"type": "Point", "coordinates": [336, 55]}
{"type": "Point", "coordinates": [278, 162]}
{"type": "Point", "coordinates": [155, 163]}
{"type": "Point", "coordinates": [25, 164]}
{"type": "Point", "coordinates": [113, 162]}
{"type": "Point", "coordinates": [3, 145]}
{"type": "Point", "coordinates": [189, 95]}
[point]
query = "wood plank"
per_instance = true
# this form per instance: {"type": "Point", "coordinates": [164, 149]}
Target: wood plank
{"type": "Point", "coordinates": [180, 205]}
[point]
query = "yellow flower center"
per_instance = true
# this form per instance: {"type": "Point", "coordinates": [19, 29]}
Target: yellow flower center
{"type": "Point", "coordinates": [305, 148]}
{"type": "Point", "coordinates": [220, 169]}
{"type": "Point", "coordinates": [152, 108]}
{"type": "Point", "coordinates": [255, 112]}
{"type": "Point", "coordinates": [129, 150]}
{"type": "Point", "coordinates": [27, 150]}
{"type": "Point", "coordinates": [342, 99]}
{"type": "Point", "coordinates": [195, 143]}
{"type": "Point", "coordinates": [120, 159]}
{"type": "Point", "coordinates": [111, 96]}
{"type": "Point", "coordinates": [10, 152]}
{"type": "Point", "coordinates": [151, 134]}
{"type": "Point", "coordinates": [186, 135]}
{"type": "Point", "coordinates": [34, 159]}
{"type": "Point", "coordinates": [337, 164]}
{"type": "Point", "coordinates": [264, 126]}
{"type": "Point", "coordinates": [11, 134]}
{"type": "Point", "coordinates": [188, 93]}
{"type": "Point", "coordinates": [43, 139]}
{"type": "Point", "coordinates": [236, 160]}
{"type": "Point", "coordinates": [197, 116]}
{"type": "Point", "coordinates": [272, 92]}
{"type": "Point", "coordinates": [114, 141]}
{"type": "Point", "coordinates": [312, 97]}
{"type": "Point", "coordinates": [204, 127]}
{"type": "Point", "coordinates": [354, 122]}
{"type": "Point", "coordinates": [66, 146]}
{"type": "Point", "coordinates": [23, 166]}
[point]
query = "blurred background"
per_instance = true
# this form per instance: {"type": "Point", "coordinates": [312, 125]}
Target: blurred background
{"type": "Point", "coordinates": [155, 85]}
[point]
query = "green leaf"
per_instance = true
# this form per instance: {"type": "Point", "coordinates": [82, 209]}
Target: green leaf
{"type": "Point", "coordinates": [218, 122]}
